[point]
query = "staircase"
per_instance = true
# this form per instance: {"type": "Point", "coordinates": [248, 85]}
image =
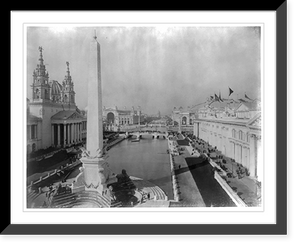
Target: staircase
{"type": "Point", "coordinates": [68, 200]}
{"type": "Point", "coordinates": [31, 197]}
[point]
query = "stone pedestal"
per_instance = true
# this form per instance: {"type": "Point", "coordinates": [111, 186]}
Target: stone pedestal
{"type": "Point", "coordinates": [96, 174]}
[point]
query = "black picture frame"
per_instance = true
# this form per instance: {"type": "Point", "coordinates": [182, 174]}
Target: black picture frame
{"type": "Point", "coordinates": [280, 228]}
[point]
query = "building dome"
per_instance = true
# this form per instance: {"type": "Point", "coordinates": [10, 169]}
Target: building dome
{"type": "Point", "coordinates": [56, 87]}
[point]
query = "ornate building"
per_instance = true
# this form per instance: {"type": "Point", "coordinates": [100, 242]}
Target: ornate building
{"type": "Point", "coordinates": [184, 117]}
{"type": "Point", "coordinates": [235, 129]}
{"type": "Point", "coordinates": [115, 117]}
{"type": "Point", "coordinates": [53, 118]}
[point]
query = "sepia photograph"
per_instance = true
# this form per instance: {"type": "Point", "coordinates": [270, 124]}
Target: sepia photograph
{"type": "Point", "coordinates": [144, 116]}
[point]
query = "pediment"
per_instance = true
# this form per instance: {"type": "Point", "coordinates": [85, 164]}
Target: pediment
{"type": "Point", "coordinates": [75, 115]}
{"type": "Point", "coordinates": [255, 121]}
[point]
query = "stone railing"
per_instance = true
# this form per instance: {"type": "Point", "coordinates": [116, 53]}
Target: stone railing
{"type": "Point", "coordinates": [38, 158]}
{"type": "Point", "coordinates": [230, 192]}
{"type": "Point", "coordinates": [49, 174]}
{"type": "Point", "coordinates": [173, 177]}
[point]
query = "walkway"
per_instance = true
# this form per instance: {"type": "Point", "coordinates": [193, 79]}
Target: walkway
{"type": "Point", "coordinates": [246, 187]}
{"type": "Point", "coordinates": [195, 177]}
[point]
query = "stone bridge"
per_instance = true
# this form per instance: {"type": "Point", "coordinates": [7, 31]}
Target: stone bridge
{"type": "Point", "coordinates": [154, 134]}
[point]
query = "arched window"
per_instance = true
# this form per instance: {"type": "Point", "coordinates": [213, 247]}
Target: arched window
{"type": "Point", "coordinates": [240, 135]}
{"type": "Point", "coordinates": [37, 93]}
{"type": "Point", "coordinates": [46, 94]}
{"type": "Point", "coordinates": [33, 147]}
{"type": "Point", "coordinates": [183, 120]}
{"type": "Point", "coordinates": [233, 133]}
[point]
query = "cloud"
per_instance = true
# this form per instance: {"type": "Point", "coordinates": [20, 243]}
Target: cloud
{"type": "Point", "coordinates": [154, 67]}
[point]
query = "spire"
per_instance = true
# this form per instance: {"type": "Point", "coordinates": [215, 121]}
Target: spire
{"type": "Point", "coordinates": [68, 69]}
{"type": "Point", "coordinates": [41, 68]}
{"type": "Point", "coordinates": [95, 34]}
{"type": "Point", "coordinates": [41, 55]}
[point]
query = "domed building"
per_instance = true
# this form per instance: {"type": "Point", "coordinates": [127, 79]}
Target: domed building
{"type": "Point", "coordinates": [53, 119]}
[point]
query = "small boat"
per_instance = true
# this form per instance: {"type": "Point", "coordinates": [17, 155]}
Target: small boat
{"type": "Point", "coordinates": [136, 140]}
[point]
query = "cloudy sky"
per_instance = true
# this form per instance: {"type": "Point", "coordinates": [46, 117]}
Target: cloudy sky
{"type": "Point", "coordinates": [157, 67]}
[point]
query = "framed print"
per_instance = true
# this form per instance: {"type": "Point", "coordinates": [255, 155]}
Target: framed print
{"type": "Point", "coordinates": [147, 122]}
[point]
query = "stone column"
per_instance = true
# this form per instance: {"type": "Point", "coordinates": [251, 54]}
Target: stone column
{"type": "Point", "coordinates": [79, 132]}
{"type": "Point", "coordinates": [253, 155]}
{"type": "Point", "coordinates": [52, 134]}
{"type": "Point", "coordinates": [65, 135]}
{"type": "Point", "coordinates": [233, 150]}
{"type": "Point", "coordinates": [245, 156]}
{"type": "Point", "coordinates": [58, 135]}
{"type": "Point", "coordinates": [259, 165]}
{"type": "Point", "coordinates": [29, 133]}
{"type": "Point", "coordinates": [72, 133]}
{"type": "Point", "coordinates": [68, 134]}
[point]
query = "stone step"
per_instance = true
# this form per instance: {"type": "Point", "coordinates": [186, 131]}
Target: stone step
{"type": "Point", "coordinates": [64, 200]}
{"type": "Point", "coordinates": [63, 196]}
{"type": "Point", "coordinates": [68, 200]}
{"type": "Point", "coordinates": [32, 195]}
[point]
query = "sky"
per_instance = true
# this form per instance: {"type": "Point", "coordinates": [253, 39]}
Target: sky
{"type": "Point", "coordinates": [155, 67]}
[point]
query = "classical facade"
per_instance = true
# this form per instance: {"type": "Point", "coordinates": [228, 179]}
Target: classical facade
{"type": "Point", "coordinates": [184, 117]}
{"type": "Point", "coordinates": [235, 131]}
{"type": "Point", "coordinates": [114, 117]}
{"type": "Point", "coordinates": [53, 118]}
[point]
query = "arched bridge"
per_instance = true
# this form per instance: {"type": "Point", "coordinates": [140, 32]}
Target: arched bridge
{"type": "Point", "coordinates": [154, 134]}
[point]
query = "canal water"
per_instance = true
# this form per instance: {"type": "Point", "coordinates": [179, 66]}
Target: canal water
{"type": "Point", "coordinates": [147, 159]}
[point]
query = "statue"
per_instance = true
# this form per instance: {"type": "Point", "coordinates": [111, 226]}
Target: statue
{"type": "Point", "coordinates": [85, 153]}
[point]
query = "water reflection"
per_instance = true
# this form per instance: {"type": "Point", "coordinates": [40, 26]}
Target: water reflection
{"type": "Point", "coordinates": [147, 159]}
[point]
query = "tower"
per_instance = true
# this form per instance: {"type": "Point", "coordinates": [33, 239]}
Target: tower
{"type": "Point", "coordinates": [40, 86]}
{"type": "Point", "coordinates": [96, 172]}
{"type": "Point", "coordinates": [68, 93]}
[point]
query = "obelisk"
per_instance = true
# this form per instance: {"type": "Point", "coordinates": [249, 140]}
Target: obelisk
{"type": "Point", "coordinates": [96, 173]}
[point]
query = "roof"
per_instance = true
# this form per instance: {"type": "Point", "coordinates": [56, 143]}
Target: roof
{"type": "Point", "coordinates": [33, 118]}
{"type": "Point", "coordinates": [255, 105]}
{"type": "Point", "coordinates": [56, 87]}
{"type": "Point", "coordinates": [66, 114]}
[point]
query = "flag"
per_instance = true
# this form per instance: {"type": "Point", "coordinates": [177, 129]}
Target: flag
{"type": "Point", "coordinates": [216, 98]}
{"type": "Point", "coordinates": [220, 98]}
{"type": "Point", "coordinates": [230, 91]}
{"type": "Point", "coordinates": [248, 97]}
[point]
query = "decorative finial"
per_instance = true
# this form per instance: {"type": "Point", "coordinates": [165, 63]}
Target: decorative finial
{"type": "Point", "coordinates": [95, 36]}
{"type": "Point", "coordinates": [41, 49]}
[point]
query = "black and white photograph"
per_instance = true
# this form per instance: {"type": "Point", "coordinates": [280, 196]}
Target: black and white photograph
{"type": "Point", "coordinates": [144, 116]}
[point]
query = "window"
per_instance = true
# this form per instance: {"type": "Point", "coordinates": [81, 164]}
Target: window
{"type": "Point", "coordinates": [33, 147]}
{"type": "Point", "coordinates": [248, 137]}
{"type": "Point", "coordinates": [233, 133]}
{"type": "Point", "coordinates": [33, 132]}
{"type": "Point", "coordinates": [240, 135]}
{"type": "Point", "coordinates": [28, 131]}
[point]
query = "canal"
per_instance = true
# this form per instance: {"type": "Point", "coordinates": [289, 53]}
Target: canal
{"type": "Point", "coordinates": [147, 159]}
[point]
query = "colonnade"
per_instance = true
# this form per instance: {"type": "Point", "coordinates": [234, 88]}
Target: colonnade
{"type": "Point", "coordinates": [246, 152]}
{"type": "Point", "coordinates": [65, 134]}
